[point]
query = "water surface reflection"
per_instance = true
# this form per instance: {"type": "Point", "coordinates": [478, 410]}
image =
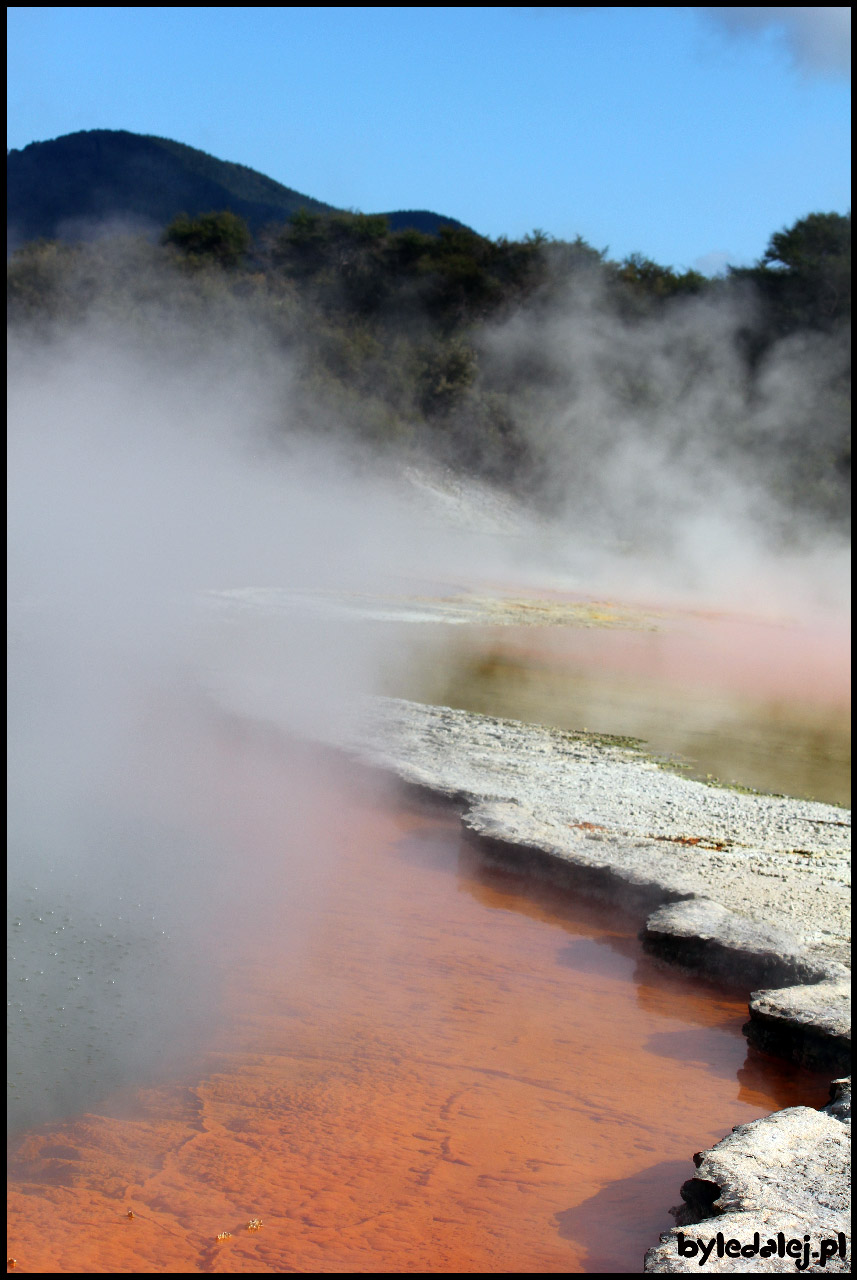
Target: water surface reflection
{"type": "Point", "coordinates": [759, 703]}
{"type": "Point", "coordinates": [419, 1063]}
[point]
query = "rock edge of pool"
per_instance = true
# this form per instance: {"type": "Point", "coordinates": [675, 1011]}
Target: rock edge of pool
{"type": "Point", "coordinates": [744, 888]}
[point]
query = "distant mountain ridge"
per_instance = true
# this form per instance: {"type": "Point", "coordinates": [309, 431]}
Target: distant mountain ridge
{"type": "Point", "coordinates": [66, 188]}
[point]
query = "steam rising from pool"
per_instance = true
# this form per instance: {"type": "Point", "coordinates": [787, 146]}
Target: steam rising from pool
{"type": "Point", "coordinates": [140, 483]}
{"type": "Point", "coordinates": [147, 473]}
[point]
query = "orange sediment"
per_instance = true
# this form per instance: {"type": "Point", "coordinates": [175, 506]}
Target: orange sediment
{"type": "Point", "coordinates": [421, 1064]}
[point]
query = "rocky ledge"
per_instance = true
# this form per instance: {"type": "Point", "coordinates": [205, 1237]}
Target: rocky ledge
{"type": "Point", "coordinates": [811, 1025]}
{"type": "Point", "coordinates": [779, 1188]}
{"type": "Point", "coordinates": [747, 886]}
{"type": "Point", "coordinates": [754, 889]}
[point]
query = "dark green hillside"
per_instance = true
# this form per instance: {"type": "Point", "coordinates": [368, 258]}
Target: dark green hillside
{"type": "Point", "coordinates": [64, 188]}
{"type": "Point", "coordinates": [420, 220]}
{"type": "Point", "coordinates": [59, 189]}
{"type": "Point", "coordinates": [540, 364]}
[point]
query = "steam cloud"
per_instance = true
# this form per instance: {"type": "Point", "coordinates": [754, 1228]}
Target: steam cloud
{"type": "Point", "coordinates": [151, 461]}
{"type": "Point", "coordinates": [144, 487]}
{"type": "Point", "coordinates": [664, 463]}
{"type": "Point", "coordinates": [818, 39]}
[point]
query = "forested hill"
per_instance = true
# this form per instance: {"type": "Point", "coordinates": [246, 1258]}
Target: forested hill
{"type": "Point", "coordinates": [64, 188]}
{"type": "Point", "coordinates": [616, 392]}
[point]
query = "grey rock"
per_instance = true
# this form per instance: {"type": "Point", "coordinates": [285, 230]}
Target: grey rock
{"type": "Point", "coordinates": [840, 1100]}
{"type": "Point", "coordinates": [789, 1173]}
{"type": "Point", "coordinates": [602, 816]}
{"type": "Point", "coordinates": [810, 1025]}
{"type": "Point", "coordinates": [705, 936]}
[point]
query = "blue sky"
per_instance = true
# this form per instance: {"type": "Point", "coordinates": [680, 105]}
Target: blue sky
{"type": "Point", "coordinates": [687, 134]}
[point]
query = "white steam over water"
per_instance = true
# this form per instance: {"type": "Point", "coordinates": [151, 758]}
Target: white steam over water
{"type": "Point", "coordinates": [145, 476]}
{"type": "Point", "coordinates": [140, 483]}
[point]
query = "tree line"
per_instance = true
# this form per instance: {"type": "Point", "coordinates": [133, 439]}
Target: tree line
{"type": "Point", "coordinates": [389, 331]}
